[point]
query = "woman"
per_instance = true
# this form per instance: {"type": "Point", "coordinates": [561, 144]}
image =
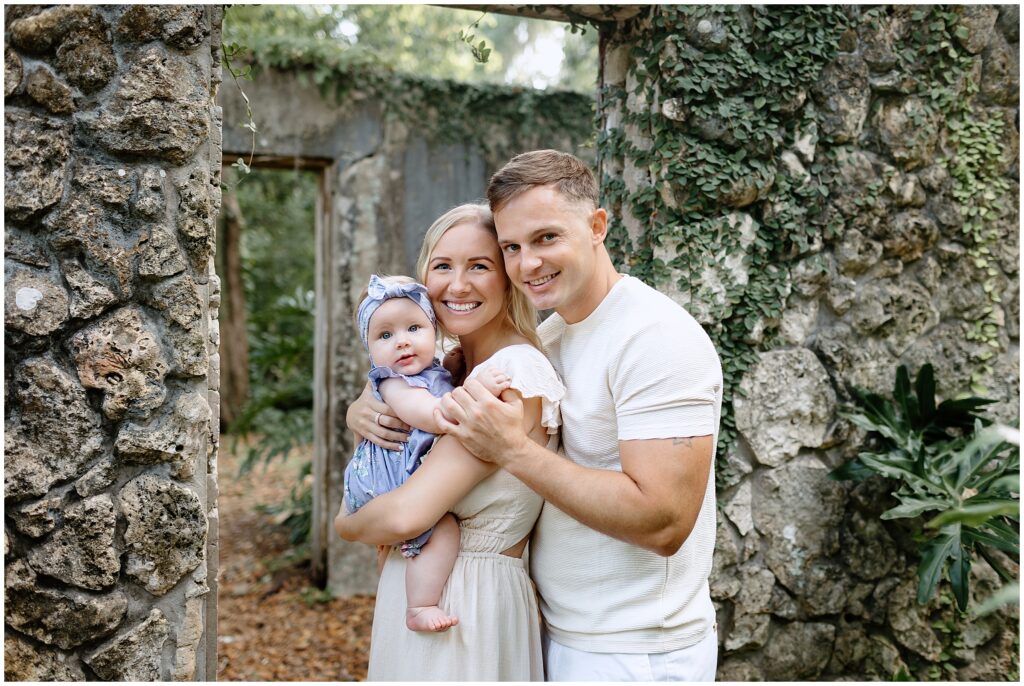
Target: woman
{"type": "Point", "coordinates": [489, 590]}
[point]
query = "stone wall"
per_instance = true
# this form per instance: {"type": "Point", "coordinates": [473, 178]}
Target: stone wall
{"type": "Point", "coordinates": [111, 179]}
{"type": "Point", "coordinates": [808, 581]}
{"type": "Point", "coordinates": [385, 177]}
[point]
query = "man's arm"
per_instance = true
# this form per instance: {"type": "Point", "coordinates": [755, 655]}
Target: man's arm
{"type": "Point", "coordinates": [653, 503]}
{"type": "Point", "coordinates": [415, 406]}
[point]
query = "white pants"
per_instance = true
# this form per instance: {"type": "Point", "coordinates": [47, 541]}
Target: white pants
{"type": "Point", "coordinates": [695, 663]}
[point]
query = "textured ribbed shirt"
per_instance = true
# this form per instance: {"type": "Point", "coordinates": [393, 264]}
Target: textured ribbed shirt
{"type": "Point", "coordinates": [638, 367]}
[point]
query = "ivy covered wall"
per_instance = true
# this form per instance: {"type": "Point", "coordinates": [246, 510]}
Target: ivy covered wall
{"type": "Point", "coordinates": [831, 191]}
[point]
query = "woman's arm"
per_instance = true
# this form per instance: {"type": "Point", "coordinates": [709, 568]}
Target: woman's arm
{"type": "Point", "coordinates": [444, 478]}
{"type": "Point", "coordinates": [373, 420]}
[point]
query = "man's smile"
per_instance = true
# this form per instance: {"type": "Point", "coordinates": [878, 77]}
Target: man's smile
{"type": "Point", "coordinates": [537, 283]}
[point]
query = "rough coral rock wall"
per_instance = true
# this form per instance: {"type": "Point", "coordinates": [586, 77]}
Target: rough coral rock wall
{"type": "Point", "coordinates": [808, 581]}
{"type": "Point", "coordinates": [111, 180]}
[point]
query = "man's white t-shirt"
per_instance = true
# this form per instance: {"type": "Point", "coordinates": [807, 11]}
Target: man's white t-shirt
{"type": "Point", "coordinates": [639, 367]}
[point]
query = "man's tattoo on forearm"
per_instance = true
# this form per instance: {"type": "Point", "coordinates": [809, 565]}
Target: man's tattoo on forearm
{"type": "Point", "coordinates": [688, 442]}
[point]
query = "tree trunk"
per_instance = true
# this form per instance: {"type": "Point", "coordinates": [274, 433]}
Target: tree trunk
{"type": "Point", "coordinates": [234, 344]}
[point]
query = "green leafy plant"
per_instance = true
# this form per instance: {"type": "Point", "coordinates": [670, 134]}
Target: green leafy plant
{"type": "Point", "coordinates": [280, 408]}
{"type": "Point", "coordinates": [951, 466]}
{"type": "Point", "coordinates": [974, 151]}
{"type": "Point", "coordinates": [296, 512]}
{"type": "Point", "coordinates": [1007, 595]}
{"type": "Point", "coordinates": [901, 675]}
{"type": "Point", "coordinates": [312, 596]}
{"type": "Point", "coordinates": [481, 53]}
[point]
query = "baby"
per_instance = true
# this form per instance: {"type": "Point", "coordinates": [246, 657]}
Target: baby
{"type": "Point", "coordinates": [396, 323]}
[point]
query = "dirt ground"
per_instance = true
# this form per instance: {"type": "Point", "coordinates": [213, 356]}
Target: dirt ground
{"type": "Point", "coordinates": [273, 623]}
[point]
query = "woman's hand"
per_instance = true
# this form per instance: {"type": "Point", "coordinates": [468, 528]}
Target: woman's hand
{"type": "Point", "coordinates": [375, 421]}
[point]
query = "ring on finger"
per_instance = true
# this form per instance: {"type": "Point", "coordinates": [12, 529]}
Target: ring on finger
{"type": "Point", "coordinates": [376, 420]}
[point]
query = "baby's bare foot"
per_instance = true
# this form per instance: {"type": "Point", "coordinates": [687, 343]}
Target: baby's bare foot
{"type": "Point", "coordinates": [431, 618]}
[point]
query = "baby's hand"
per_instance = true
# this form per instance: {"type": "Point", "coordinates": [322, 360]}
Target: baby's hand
{"type": "Point", "coordinates": [493, 380]}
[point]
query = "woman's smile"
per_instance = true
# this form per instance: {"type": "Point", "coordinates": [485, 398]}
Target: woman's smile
{"type": "Point", "coordinates": [461, 307]}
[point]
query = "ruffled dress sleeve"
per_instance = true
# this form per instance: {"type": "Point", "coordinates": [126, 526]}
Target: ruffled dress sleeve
{"type": "Point", "coordinates": [435, 379]}
{"type": "Point", "coordinates": [533, 376]}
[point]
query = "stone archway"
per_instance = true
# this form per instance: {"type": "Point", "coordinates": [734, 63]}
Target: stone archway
{"type": "Point", "coordinates": [383, 180]}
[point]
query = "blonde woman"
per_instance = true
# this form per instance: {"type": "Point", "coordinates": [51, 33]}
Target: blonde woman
{"type": "Point", "coordinates": [498, 635]}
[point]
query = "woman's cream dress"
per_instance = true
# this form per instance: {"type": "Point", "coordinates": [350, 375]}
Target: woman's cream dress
{"type": "Point", "coordinates": [498, 635]}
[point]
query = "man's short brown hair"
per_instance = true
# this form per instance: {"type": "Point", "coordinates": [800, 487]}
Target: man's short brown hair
{"type": "Point", "coordinates": [570, 175]}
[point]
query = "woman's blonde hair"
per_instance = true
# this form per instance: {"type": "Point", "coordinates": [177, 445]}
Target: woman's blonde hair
{"type": "Point", "coordinates": [519, 311]}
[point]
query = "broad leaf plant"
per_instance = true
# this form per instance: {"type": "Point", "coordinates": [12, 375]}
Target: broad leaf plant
{"type": "Point", "coordinates": [951, 466]}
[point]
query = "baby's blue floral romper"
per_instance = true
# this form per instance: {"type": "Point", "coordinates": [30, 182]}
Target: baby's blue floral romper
{"type": "Point", "coordinates": [374, 470]}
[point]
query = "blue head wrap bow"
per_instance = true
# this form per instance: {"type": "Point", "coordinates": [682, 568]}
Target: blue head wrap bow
{"type": "Point", "coordinates": [379, 290]}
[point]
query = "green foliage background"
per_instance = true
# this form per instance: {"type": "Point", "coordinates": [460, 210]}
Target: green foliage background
{"type": "Point", "coordinates": [419, 40]}
{"type": "Point", "coordinates": [278, 272]}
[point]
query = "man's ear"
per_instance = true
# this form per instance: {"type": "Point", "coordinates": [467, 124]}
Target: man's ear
{"type": "Point", "coordinates": [599, 225]}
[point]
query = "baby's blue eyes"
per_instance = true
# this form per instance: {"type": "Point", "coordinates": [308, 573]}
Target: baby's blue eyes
{"type": "Point", "coordinates": [385, 335]}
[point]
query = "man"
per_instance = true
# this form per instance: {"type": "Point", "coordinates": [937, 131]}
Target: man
{"type": "Point", "coordinates": [622, 552]}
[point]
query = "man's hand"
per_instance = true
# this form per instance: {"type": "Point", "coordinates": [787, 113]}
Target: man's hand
{"type": "Point", "coordinates": [375, 421]}
{"type": "Point", "coordinates": [488, 427]}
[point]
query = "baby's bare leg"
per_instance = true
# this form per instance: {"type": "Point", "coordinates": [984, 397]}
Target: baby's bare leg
{"type": "Point", "coordinates": [425, 577]}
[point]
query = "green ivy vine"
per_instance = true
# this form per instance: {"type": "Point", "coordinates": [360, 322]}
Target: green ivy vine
{"type": "Point", "coordinates": [732, 87]}
{"type": "Point", "coordinates": [975, 147]}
